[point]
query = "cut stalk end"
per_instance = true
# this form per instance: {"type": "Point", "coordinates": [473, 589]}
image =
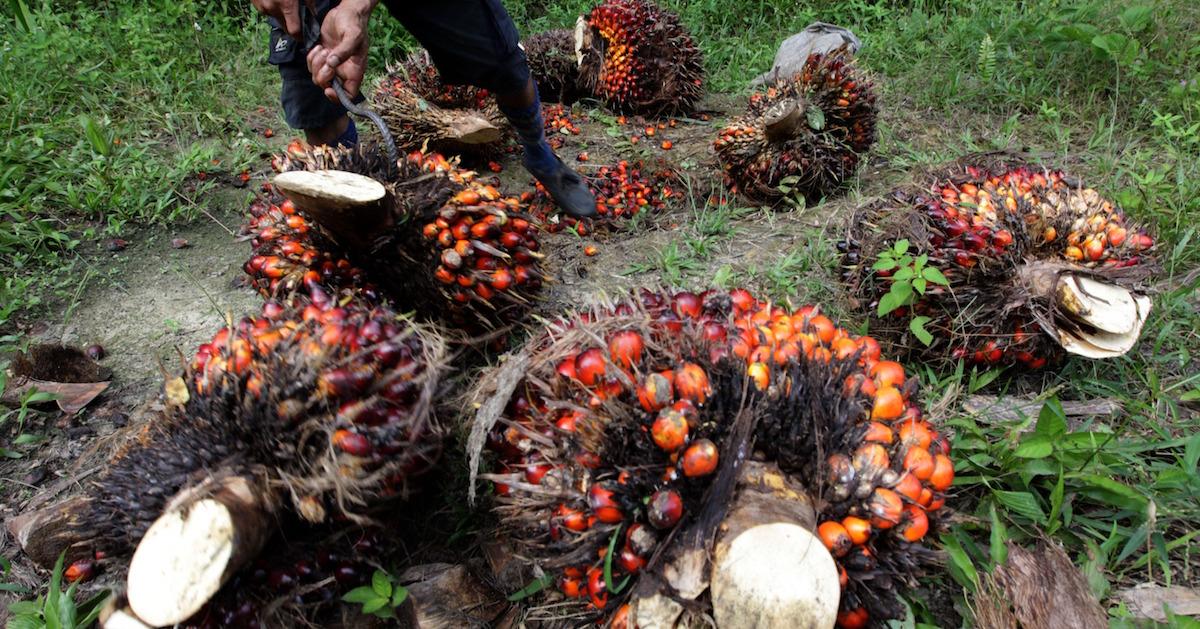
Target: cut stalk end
{"type": "Point", "coordinates": [1107, 319]}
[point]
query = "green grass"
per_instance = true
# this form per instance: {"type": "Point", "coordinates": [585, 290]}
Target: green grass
{"type": "Point", "coordinates": [1112, 90]}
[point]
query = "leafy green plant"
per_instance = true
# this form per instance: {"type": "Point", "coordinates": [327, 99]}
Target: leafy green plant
{"type": "Point", "coordinates": [381, 597]}
{"type": "Point", "coordinates": [792, 195]}
{"type": "Point", "coordinates": [56, 609]}
{"type": "Point", "coordinates": [910, 278]}
{"type": "Point", "coordinates": [985, 60]}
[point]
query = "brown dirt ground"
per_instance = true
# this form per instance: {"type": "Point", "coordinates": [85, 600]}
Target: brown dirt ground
{"type": "Point", "coordinates": [161, 302]}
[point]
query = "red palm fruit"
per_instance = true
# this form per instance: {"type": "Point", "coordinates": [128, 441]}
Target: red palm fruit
{"type": "Point", "coordinates": [889, 404]}
{"type": "Point", "coordinates": [572, 587]}
{"type": "Point", "coordinates": [760, 374]}
{"type": "Point", "coordinates": [596, 587]}
{"type": "Point", "coordinates": [853, 618]}
{"type": "Point", "coordinates": [870, 349]}
{"type": "Point", "coordinates": [888, 373]}
{"type": "Point", "coordinates": [879, 433]}
{"type": "Point", "coordinates": [626, 348]}
{"type": "Point", "coordinates": [590, 366]}
{"type": "Point", "coordinates": [604, 505]}
{"type": "Point", "coordinates": [841, 470]}
{"type": "Point", "coordinates": [620, 620]}
{"type": "Point", "coordinates": [351, 443]}
{"type": "Point", "coordinates": [630, 561]}
{"type": "Point", "coordinates": [700, 459]}
{"type": "Point", "coordinates": [655, 392]}
{"type": "Point", "coordinates": [909, 486]}
{"type": "Point", "coordinates": [566, 368]}
{"type": "Point", "coordinates": [943, 472]}
{"type": "Point", "coordinates": [857, 528]}
{"type": "Point", "coordinates": [915, 434]}
{"type": "Point", "coordinates": [843, 348]}
{"type": "Point", "coordinates": [80, 570]}
{"type": "Point", "coordinates": [885, 507]}
{"type": "Point", "coordinates": [664, 509]}
{"type": "Point", "coordinates": [919, 463]}
{"type": "Point", "coordinates": [573, 519]}
{"type": "Point", "coordinates": [823, 328]}
{"type": "Point", "coordinates": [871, 456]}
{"type": "Point", "coordinates": [915, 524]}
{"type": "Point", "coordinates": [743, 301]}
{"type": "Point", "coordinates": [669, 430]}
{"type": "Point", "coordinates": [535, 472]}
{"type": "Point", "coordinates": [835, 538]}
{"type": "Point", "coordinates": [691, 382]}
{"type": "Point", "coordinates": [687, 305]}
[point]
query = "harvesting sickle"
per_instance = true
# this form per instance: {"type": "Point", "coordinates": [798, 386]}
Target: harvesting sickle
{"type": "Point", "coordinates": [1030, 264]}
{"type": "Point", "coordinates": [678, 454]}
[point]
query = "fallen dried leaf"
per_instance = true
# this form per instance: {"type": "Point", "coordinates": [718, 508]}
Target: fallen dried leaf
{"type": "Point", "coordinates": [70, 397]}
{"type": "Point", "coordinates": [1147, 601]}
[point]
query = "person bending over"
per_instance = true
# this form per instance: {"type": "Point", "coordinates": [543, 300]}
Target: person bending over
{"type": "Point", "coordinates": [471, 42]}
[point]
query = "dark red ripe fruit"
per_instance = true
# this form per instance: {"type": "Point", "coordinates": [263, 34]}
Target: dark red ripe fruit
{"type": "Point", "coordinates": [596, 587]}
{"type": "Point", "coordinates": [700, 459]}
{"type": "Point", "coordinates": [80, 571]}
{"type": "Point", "coordinates": [686, 305]}
{"type": "Point", "coordinates": [346, 574]}
{"type": "Point", "coordinates": [669, 430]}
{"type": "Point", "coordinates": [665, 509]}
{"type": "Point", "coordinates": [589, 366]}
{"type": "Point", "coordinates": [743, 301]}
{"type": "Point", "coordinates": [95, 352]}
{"type": "Point", "coordinates": [351, 442]}
{"type": "Point", "coordinates": [655, 393]}
{"type": "Point", "coordinates": [626, 348]}
{"type": "Point", "coordinates": [630, 561]}
{"type": "Point", "coordinates": [604, 505]}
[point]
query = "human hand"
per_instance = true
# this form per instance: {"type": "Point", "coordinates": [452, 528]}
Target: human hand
{"type": "Point", "coordinates": [342, 51]}
{"type": "Point", "coordinates": [286, 11]}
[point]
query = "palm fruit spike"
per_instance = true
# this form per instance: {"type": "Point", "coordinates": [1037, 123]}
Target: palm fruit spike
{"type": "Point", "coordinates": [638, 57]}
{"type": "Point", "coordinates": [1037, 265]}
{"type": "Point", "coordinates": [321, 405]}
{"type": "Point", "coordinates": [623, 443]}
{"type": "Point", "coordinates": [442, 242]}
{"type": "Point", "coordinates": [425, 114]}
{"type": "Point", "coordinates": [810, 129]}
{"type": "Point", "coordinates": [554, 66]}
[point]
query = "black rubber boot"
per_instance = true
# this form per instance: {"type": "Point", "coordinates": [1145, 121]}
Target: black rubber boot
{"type": "Point", "coordinates": [567, 188]}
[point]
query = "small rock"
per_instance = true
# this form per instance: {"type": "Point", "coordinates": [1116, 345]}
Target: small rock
{"type": "Point", "coordinates": [180, 243]}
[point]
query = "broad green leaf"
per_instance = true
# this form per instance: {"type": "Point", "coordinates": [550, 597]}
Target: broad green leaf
{"type": "Point", "coordinates": [1093, 570]}
{"type": "Point", "coordinates": [889, 302]}
{"type": "Point", "coordinates": [917, 327]}
{"type": "Point", "coordinates": [535, 586]}
{"type": "Point", "coordinates": [884, 264]}
{"type": "Point", "coordinates": [932, 274]}
{"type": "Point", "coordinates": [1052, 419]}
{"type": "Point", "coordinates": [901, 247]}
{"type": "Point", "coordinates": [902, 275]}
{"type": "Point", "coordinates": [1034, 447]}
{"type": "Point", "coordinates": [21, 12]}
{"type": "Point", "coordinates": [399, 595]}
{"type": "Point", "coordinates": [1112, 492]}
{"type": "Point", "coordinates": [961, 567]}
{"type": "Point", "coordinates": [919, 285]}
{"type": "Point", "coordinates": [96, 137]}
{"type": "Point", "coordinates": [92, 607]}
{"type": "Point", "coordinates": [999, 535]}
{"type": "Point", "coordinates": [1191, 454]}
{"type": "Point", "coordinates": [1134, 543]}
{"type": "Point", "coordinates": [381, 584]}
{"type": "Point", "coordinates": [25, 622]}
{"type": "Point", "coordinates": [1022, 503]}
{"type": "Point", "coordinates": [374, 605]}
{"type": "Point", "coordinates": [921, 260]}
{"type": "Point", "coordinates": [1137, 17]}
{"type": "Point", "coordinates": [816, 118]}
{"type": "Point", "coordinates": [1056, 501]}
{"type": "Point", "coordinates": [360, 594]}
{"type": "Point", "coordinates": [1190, 396]}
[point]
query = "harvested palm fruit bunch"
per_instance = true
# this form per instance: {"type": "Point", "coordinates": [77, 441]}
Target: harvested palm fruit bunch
{"type": "Point", "coordinates": [806, 133]}
{"type": "Point", "coordinates": [710, 443]}
{"type": "Point", "coordinates": [423, 113]}
{"type": "Point", "coordinates": [558, 123]}
{"type": "Point", "coordinates": [437, 238]}
{"type": "Point", "coordinates": [638, 57]}
{"type": "Point", "coordinates": [554, 66]}
{"type": "Point", "coordinates": [622, 192]}
{"type": "Point", "coordinates": [1027, 264]}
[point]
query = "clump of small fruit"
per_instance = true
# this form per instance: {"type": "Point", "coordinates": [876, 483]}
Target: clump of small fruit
{"type": "Point", "coordinates": [638, 56]}
{"type": "Point", "coordinates": [980, 226]}
{"type": "Point", "coordinates": [805, 134]}
{"type": "Point", "coordinates": [622, 191]}
{"type": "Point", "coordinates": [614, 433]}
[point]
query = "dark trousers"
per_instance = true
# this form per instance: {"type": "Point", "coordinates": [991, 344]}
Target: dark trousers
{"type": "Point", "coordinates": [472, 42]}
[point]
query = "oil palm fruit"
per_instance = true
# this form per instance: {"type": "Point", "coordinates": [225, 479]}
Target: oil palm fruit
{"type": "Point", "coordinates": [319, 407]}
{"type": "Point", "coordinates": [805, 134]}
{"type": "Point", "coordinates": [622, 191]}
{"type": "Point", "coordinates": [554, 66]}
{"type": "Point", "coordinates": [661, 424]}
{"type": "Point", "coordinates": [637, 56]}
{"type": "Point", "coordinates": [1036, 265]}
{"type": "Point", "coordinates": [441, 241]}
{"type": "Point", "coordinates": [423, 113]}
